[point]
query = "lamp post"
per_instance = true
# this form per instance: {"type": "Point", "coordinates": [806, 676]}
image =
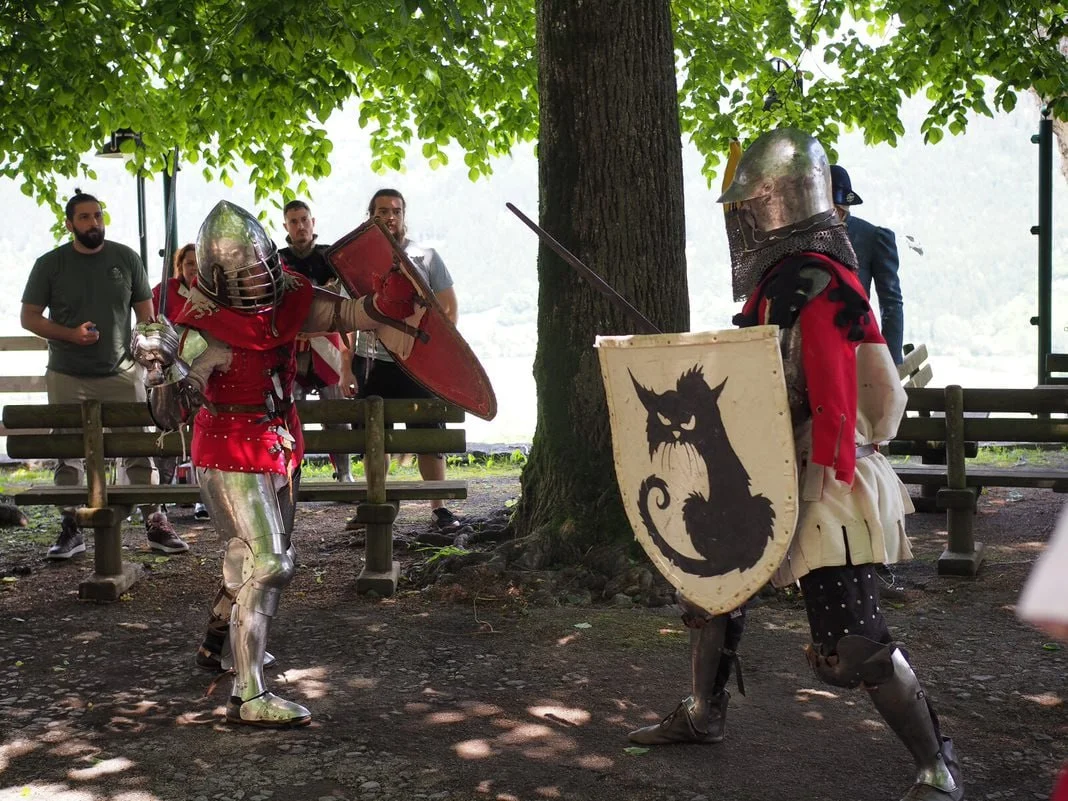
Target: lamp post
{"type": "Point", "coordinates": [112, 149]}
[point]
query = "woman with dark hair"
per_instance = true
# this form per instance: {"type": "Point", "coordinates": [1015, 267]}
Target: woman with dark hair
{"type": "Point", "coordinates": [183, 277]}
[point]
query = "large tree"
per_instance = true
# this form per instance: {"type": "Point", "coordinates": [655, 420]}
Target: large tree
{"type": "Point", "coordinates": [252, 81]}
{"type": "Point", "coordinates": [610, 181]}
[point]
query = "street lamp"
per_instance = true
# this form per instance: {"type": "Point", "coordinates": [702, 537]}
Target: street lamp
{"type": "Point", "coordinates": [112, 149]}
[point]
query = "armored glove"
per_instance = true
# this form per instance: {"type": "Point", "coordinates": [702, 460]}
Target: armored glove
{"type": "Point", "coordinates": [155, 347]}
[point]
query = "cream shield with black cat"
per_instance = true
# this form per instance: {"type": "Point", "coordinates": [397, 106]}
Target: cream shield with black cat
{"type": "Point", "coordinates": [704, 456]}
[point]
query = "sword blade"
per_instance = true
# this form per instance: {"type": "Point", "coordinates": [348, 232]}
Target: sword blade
{"type": "Point", "coordinates": [168, 244]}
{"type": "Point", "coordinates": [645, 325]}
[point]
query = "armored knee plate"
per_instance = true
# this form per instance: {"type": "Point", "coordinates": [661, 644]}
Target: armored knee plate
{"type": "Point", "coordinates": [858, 661]}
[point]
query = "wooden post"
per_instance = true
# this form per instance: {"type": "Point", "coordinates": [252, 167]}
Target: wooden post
{"type": "Point", "coordinates": [111, 577]}
{"type": "Point", "coordinates": [380, 572]}
{"type": "Point", "coordinates": [963, 555]}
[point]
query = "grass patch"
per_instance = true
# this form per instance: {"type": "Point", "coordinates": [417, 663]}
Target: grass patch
{"type": "Point", "coordinates": [459, 467]}
{"type": "Point", "coordinates": [1002, 456]}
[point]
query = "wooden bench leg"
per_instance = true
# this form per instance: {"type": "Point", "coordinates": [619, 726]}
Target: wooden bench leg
{"type": "Point", "coordinates": [380, 572]}
{"type": "Point", "coordinates": [963, 555]}
{"type": "Point", "coordinates": [112, 577]}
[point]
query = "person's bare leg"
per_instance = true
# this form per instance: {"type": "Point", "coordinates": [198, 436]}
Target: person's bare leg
{"type": "Point", "coordinates": [432, 468]}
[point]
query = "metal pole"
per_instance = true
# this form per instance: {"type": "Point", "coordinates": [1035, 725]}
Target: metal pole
{"type": "Point", "coordinates": [1044, 232]}
{"type": "Point", "coordinates": [142, 223]}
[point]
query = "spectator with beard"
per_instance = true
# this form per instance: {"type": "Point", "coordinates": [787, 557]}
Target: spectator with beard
{"type": "Point", "coordinates": [89, 285]}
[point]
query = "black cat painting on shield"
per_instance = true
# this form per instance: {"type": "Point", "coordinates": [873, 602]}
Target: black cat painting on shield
{"type": "Point", "coordinates": [731, 527]}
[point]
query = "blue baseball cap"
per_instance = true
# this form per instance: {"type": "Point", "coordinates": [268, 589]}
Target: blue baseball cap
{"type": "Point", "coordinates": [842, 189]}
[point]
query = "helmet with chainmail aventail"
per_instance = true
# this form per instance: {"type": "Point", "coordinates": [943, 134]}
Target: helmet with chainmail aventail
{"type": "Point", "coordinates": [780, 203]}
{"type": "Point", "coordinates": [237, 263]}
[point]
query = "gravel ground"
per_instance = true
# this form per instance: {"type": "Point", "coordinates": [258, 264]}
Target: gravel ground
{"type": "Point", "coordinates": [473, 690]}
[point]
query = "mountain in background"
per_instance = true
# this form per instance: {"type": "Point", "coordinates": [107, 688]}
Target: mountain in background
{"type": "Point", "coordinates": [962, 211]}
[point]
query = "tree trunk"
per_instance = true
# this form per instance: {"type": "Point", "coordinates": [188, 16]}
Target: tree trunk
{"type": "Point", "coordinates": [611, 191]}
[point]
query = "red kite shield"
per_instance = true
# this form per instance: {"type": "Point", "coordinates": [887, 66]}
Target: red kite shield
{"type": "Point", "coordinates": [442, 362]}
{"type": "Point", "coordinates": [704, 455]}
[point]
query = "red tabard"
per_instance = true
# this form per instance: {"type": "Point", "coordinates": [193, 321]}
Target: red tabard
{"type": "Point", "coordinates": [247, 442]}
{"type": "Point", "coordinates": [829, 361]}
{"type": "Point", "coordinates": [177, 293]}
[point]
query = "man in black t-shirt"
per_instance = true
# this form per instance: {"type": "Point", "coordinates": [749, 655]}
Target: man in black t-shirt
{"type": "Point", "coordinates": [319, 359]}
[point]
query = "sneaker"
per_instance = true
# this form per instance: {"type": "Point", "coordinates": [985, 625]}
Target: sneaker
{"type": "Point", "coordinates": [200, 512]}
{"type": "Point", "coordinates": [162, 536]}
{"type": "Point", "coordinates": [69, 542]}
{"type": "Point", "coordinates": [445, 521]}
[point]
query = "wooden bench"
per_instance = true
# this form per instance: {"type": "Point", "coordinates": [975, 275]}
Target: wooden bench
{"type": "Point", "coordinates": [104, 507]}
{"type": "Point", "coordinates": [915, 372]}
{"type": "Point", "coordinates": [1012, 416]}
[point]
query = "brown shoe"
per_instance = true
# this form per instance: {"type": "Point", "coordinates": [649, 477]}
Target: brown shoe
{"type": "Point", "coordinates": [162, 536]}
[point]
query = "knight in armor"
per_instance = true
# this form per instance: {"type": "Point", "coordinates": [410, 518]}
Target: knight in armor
{"type": "Point", "coordinates": [794, 267]}
{"type": "Point", "coordinates": [233, 356]}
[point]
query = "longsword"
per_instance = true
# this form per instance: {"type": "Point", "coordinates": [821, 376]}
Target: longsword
{"type": "Point", "coordinates": [644, 324]}
{"type": "Point", "coordinates": [168, 243]}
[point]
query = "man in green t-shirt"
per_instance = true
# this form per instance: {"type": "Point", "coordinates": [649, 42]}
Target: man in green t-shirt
{"type": "Point", "coordinates": [89, 286]}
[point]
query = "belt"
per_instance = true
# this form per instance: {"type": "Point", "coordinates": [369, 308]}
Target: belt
{"type": "Point", "coordinates": [248, 408]}
{"type": "Point", "coordinates": [866, 450]}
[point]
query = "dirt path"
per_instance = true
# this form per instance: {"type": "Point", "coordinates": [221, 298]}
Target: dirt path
{"type": "Point", "coordinates": [477, 693]}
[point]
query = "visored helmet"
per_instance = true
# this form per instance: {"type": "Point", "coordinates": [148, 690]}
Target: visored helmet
{"type": "Point", "coordinates": [785, 177]}
{"type": "Point", "coordinates": [780, 203]}
{"type": "Point", "coordinates": [237, 263]}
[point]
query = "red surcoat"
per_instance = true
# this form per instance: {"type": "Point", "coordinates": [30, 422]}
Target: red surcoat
{"type": "Point", "coordinates": [829, 362]}
{"type": "Point", "coordinates": [177, 294]}
{"type": "Point", "coordinates": [263, 363]}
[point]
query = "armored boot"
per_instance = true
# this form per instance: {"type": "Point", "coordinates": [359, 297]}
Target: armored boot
{"type": "Point", "coordinates": [904, 706]}
{"type": "Point", "coordinates": [702, 717]}
{"type": "Point", "coordinates": [250, 702]}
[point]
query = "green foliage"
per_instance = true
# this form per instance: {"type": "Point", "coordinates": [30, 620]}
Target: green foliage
{"type": "Point", "coordinates": [437, 554]}
{"type": "Point", "coordinates": [253, 82]}
{"type": "Point", "coordinates": [875, 52]}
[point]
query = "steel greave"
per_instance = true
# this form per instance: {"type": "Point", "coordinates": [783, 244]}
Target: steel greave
{"type": "Point", "coordinates": [903, 704]}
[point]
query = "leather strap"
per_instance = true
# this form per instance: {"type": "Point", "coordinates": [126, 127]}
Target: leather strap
{"type": "Point", "coordinates": [400, 325]}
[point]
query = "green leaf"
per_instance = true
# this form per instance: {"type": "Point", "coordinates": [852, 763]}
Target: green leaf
{"type": "Point", "coordinates": [635, 750]}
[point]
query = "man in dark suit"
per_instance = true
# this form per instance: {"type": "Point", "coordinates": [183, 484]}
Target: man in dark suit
{"type": "Point", "coordinates": [877, 256]}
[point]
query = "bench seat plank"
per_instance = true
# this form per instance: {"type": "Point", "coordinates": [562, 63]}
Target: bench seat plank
{"type": "Point", "coordinates": [134, 494]}
{"type": "Point", "coordinates": [935, 476]}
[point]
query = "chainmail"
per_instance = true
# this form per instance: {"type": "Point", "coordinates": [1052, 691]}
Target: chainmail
{"type": "Point", "coordinates": [749, 266]}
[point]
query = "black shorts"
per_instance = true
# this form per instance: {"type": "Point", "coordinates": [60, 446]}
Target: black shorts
{"type": "Point", "coordinates": [387, 380]}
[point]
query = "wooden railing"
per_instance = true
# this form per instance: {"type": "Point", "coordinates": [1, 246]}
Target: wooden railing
{"type": "Point", "coordinates": [22, 383]}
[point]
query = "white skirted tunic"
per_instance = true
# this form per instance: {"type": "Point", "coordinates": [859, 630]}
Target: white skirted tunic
{"type": "Point", "coordinates": [864, 522]}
